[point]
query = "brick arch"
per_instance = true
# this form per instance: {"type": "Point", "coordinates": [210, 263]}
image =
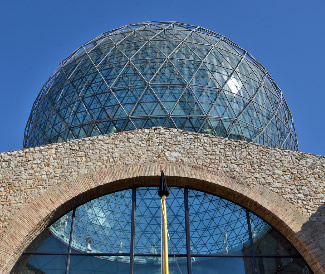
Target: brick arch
{"type": "Point", "coordinates": [57, 200]}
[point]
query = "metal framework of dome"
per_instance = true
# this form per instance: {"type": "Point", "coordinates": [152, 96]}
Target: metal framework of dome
{"type": "Point", "coordinates": [161, 74]}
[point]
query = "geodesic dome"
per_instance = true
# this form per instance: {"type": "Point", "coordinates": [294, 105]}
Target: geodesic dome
{"type": "Point", "coordinates": [161, 74]}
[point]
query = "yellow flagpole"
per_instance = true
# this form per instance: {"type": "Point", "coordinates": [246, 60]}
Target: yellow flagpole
{"type": "Point", "coordinates": [165, 236]}
{"type": "Point", "coordinates": [163, 192]}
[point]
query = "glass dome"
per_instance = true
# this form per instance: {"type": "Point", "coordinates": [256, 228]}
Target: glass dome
{"type": "Point", "coordinates": [161, 74]}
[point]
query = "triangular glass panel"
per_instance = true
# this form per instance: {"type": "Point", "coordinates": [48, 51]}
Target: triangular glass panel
{"type": "Point", "coordinates": [214, 60]}
{"type": "Point", "coordinates": [129, 77]}
{"type": "Point", "coordinates": [169, 123]}
{"type": "Point", "coordinates": [188, 105]}
{"type": "Point", "coordinates": [101, 50]}
{"type": "Point", "coordinates": [120, 113]}
{"type": "Point", "coordinates": [200, 50]}
{"type": "Point", "coordinates": [219, 127]}
{"type": "Point", "coordinates": [85, 64]}
{"type": "Point", "coordinates": [148, 51]}
{"type": "Point", "coordinates": [206, 127]}
{"type": "Point", "coordinates": [88, 101]}
{"type": "Point", "coordinates": [128, 108]}
{"type": "Point", "coordinates": [84, 117]}
{"type": "Point", "coordinates": [129, 126]}
{"type": "Point", "coordinates": [75, 131]}
{"type": "Point", "coordinates": [94, 113]}
{"type": "Point", "coordinates": [148, 96]}
{"type": "Point", "coordinates": [147, 33]}
{"type": "Point", "coordinates": [216, 110]}
{"type": "Point", "coordinates": [187, 68]}
{"type": "Point", "coordinates": [169, 106]}
{"type": "Point", "coordinates": [205, 95]}
{"type": "Point", "coordinates": [110, 100]}
{"type": "Point", "coordinates": [188, 126]}
{"type": "Point", "coordinates": [133, 94]}
{"type": "Point", "coordinates": [101, 96]}
{"type": "Point", "coordinates": [195, 38]}
{"type": "Point", "coordinates": [168, 75]}
{"type": "Point", "coordinates": [138, 111]}
{"type": "Point", "coordinates": [203, 77]}
{"type": "Point", "coordinates": [183, 52]}
{"type": "Point", "coordinates": [249, 69]}
{"type": "Point", "coordinates": [158, 122]}
{"type": "Point", "coordinates": [229, 113]}
{"type": "Point", "coordinates": [70, 66]}
{"type": "Point", "coordinates": [102, 115]}
{"type": "Point", "coordinates": [143, 109]}
{"type": "Point", "coordinates": [165, 46]}
{"type": "Point", "coordinates": [120, 93]}
{"type": "Point", "coordinates": [110, 73]}
{"type": "Point", "coordinates": [111, 129]}
{"type": "Point", "coordinates": [148, 67]}
{"type": "Point", "coordinates": [93, 131]}
{"type": "Point", "coordinates": [138, 122]}
{"type": "Point", "coordinates": [168, 93]}
{"type": "Point", "coordinates": [118, 37]}
{"type": "Point", "coordinates": [236, 132]}
{"type": "Point", "coordinates": [119, 124]}
{"type": "Point", "coordinates": [178, 110]}
{"type": "Point", "coordinates": [175, 34]}
{"type": "Point", "coordinates": [129, 49]}
{"type": "Point", "coordinates": [158, 110]}
{"type": "Point", "coordinates": [114, 56]}
{"type": "Point", "coordinates": [149, 123]}
{"type": "Point", "coordinates": [196, 110]}
{"type": "Point", "coordinates": [180, 122]}
{"type": "Point", "coordinates": [103, 126]}
{"type": "Point", "coordinates": [196, 123]}
{"type": "Point", "coordinates": [110, 111]}
{"type": "Point", "coordinates": [77, 83]}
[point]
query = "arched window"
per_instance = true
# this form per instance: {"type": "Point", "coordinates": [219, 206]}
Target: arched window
{"type": "Point", "coordinates": [121, 233]}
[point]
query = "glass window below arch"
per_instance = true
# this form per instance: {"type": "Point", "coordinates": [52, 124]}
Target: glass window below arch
{"type": "Point", "coordinates": [121, 233]}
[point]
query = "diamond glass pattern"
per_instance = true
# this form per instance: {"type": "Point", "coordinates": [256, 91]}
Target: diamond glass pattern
{"type": "Point", "coordinates": [267, 240]}
{"type": "Point", "coordinates": [103, 225]}
{"type": "Point", "coordinates": [217, 226]}
{"type": "Point", "coordinates": [219, 237]}
{"type": "Point", "coordinates": [148, 221]}
{"type": "Point", "coordinates": [161, 74]}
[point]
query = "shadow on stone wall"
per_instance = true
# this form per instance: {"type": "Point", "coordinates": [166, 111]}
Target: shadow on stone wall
{"type": "Point", "coordinates": [313, 232]}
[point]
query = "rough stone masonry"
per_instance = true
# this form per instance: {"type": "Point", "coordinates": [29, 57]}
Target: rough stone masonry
{"type": "Point", "coordinates": [294, 177]}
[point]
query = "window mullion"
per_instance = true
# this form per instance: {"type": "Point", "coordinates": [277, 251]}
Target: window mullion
{"type": "Point", "coordinates": [132, 230]}
{"type": "Point", "coordinates": [70, 241]}
{"type": "Point", "coordinates": [251, 242]}
{"type": "Point", "coordinates": [187, 229]}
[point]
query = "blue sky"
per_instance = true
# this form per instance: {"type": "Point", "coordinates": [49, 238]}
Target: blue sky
{"type": "Point", "coordinates": [286, 37]}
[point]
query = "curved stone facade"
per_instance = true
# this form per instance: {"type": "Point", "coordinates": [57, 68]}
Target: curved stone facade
{"type": "Point", "coordinates": [38, 185]}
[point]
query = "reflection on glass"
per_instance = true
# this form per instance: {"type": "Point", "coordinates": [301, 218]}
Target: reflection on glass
{"type": "Point", "coordinates": [49, 264]}
{"type": "Point", "coordinates": [152, 265]}
{"type": "Point", "coordinates": [148, 217]}
{"type": "Point", "coordinates": [47, 242]}
{"type": "Point", "coordinates": [217, 226]}
{"type": "Point", "coordinates": [268, 241]}
{"type": "Point", "coordinates": [282, 265]}
{"type": "Point", "coordinates": [90, 264]}
{"type": "Point", "coordinates": [104, 224]}
{"type": "Point", "coordinates": [209, 265]}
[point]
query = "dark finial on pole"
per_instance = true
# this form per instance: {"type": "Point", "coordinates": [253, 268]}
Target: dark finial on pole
{"type": "Point", "coordinates": [163, 187]}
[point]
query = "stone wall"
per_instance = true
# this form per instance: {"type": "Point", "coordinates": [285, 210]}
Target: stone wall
{"type": "Point", "coordinates": [294, 179]}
